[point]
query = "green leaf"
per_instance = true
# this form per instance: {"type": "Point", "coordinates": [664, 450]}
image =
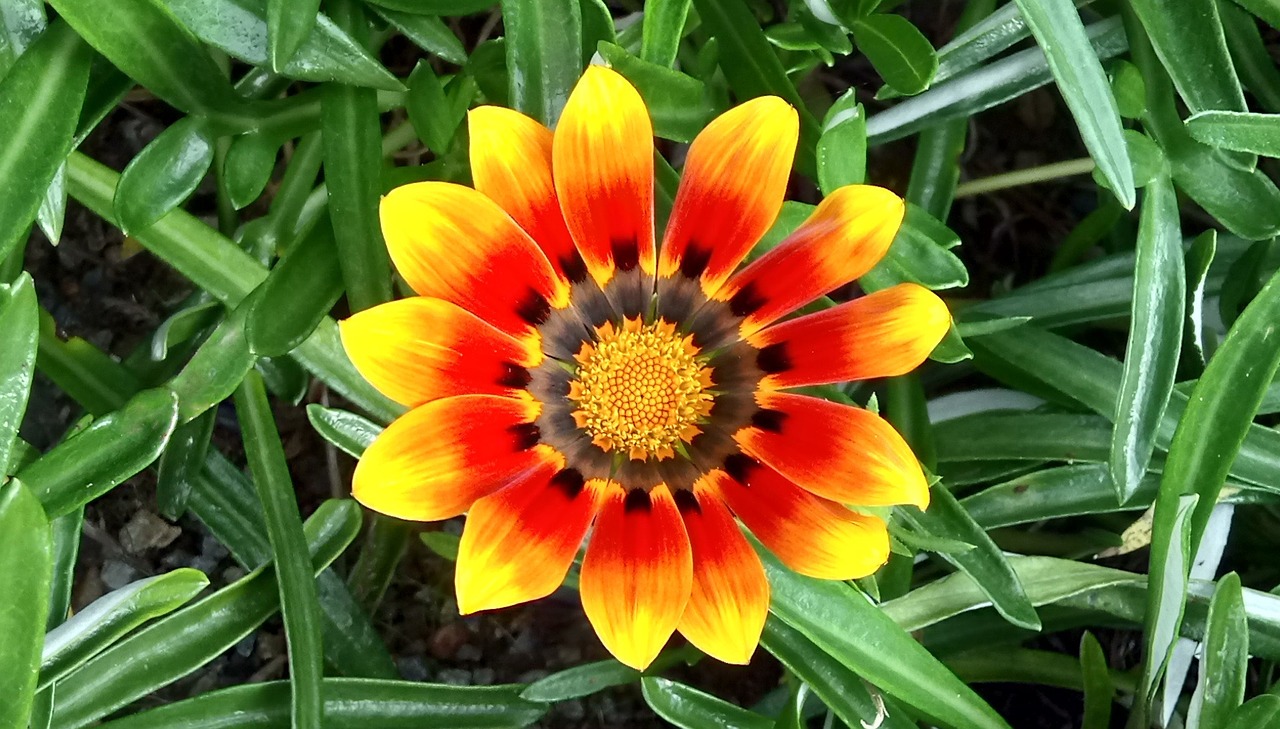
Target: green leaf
{"type": "Point", "coordinates": [298, 601]}
{"type": "Point", "coordinates": [53, 207]}
{"type": "Point", "coordinates": [19, 332]}
{"type": "Point", "coordinates": [1224, 661]}
{"type": "Point", "coordinates": [987, 38]}
{"type": "Point", "coordinates": [247, 169]}
{"type": "Point", "coordinates": [21, 22]}
{"type": "Point", "coordinates": [1261, 712]}
{"type": "Point", "coordinates": [1172, 551]}
{"type": "Point", "coordinates": [689, 708]}
{"type": "Point", "coordinates": [578, 681]}
{"type": "Point", "coordinates": [662, 30]}
{"type": "Point", "coordinates": [40, 100]}
{"type": "Point", "coordinates": [349, 702]}
{"type": "Point", "coordinates": [1188, 38]}
{"type": "Point", "coordinates": [678, 103]}
{"type": "Point", "coordinates": [184, 325]}
{"type": "Point", "coordinates": [1024, 436]}
{"type": "Point", "coordinates": [985, 563]}
{"type": "Point", "coordinates": [842, 148]}
{"type": "Point", "coordinates": [988, 86]}
{"type": "Point", "coordinates": [26, 561]}
{"type": "Point", "coordinates": [428, 33]}
{"type": "Point", "coordinates": [900, 53]}
{"type": "Point", "coordinates": [1098, 687]}
{"type": "Point", "coordinates": [164, 174]}
{"type": "Point", "coordinates": [597, 27]}
{"type": "Point", "coordinates": [753, 68]}
{"type": "Point", "coordinates": [110, 450]}
{"type": "Point", "coordinates": [180, 464]}
{"type": "Point", "coordinates": [1129, 89]}
{"type": "Point", "coordinates": [145, 40]}
{"type": "Point", "coordinates": [1145, 156]}
{"type": "Point", "coordinates": [348, 431]}
{"type": "Point", "coordinates": [863, 637]}
{"type": "Point", "coordinates": [442, 543]}
{"type": "Point", "coordinates": [298, 293]}
{"type": "Point", "coordinates": [1199, 257]}
{"type": "Point", "coordinates": [1249, 53]}
{"type": "Point", "coordinates": [288, 25]}
{"type": "Point", "coordinates": [113, 616]}
{"type": "Point", "coordinates": [1237, 131]}
{"type": "Point", "coordinates": [434, 118]}
{"type": "Point", "coordinates": [1155, 337]}
{"type": "Point", "coordinates": [544, 54]}
{"type": "Point", "coordinates": [216, 368]}
{"type": "Point", "coordinates": [437, 7]}
{"type": "Point", "coordinates": [184, 640]}
{"type": "Point", "coordinates": [921, 254]}
{"type": "Point", "coordinates": [239, 28]}
{"type": "Point", "coordinates": [351, 132]}
{"type": "Point", "coordinates": [1078, 71]}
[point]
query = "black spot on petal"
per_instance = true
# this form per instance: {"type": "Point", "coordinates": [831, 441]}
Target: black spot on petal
{"type": "Point", "coordinates": [747, 301]}
{"type": "Point", "coordinates": [637, 500]}
{"type": "Point", "coordinates": [626, 253]}
{"type": "Point", "coordinates": [569, 481]}
{"type": "Point", "coordinates": [575, 269]}
{"type": "Point", "coordinates": [739, 467]}
{"type": "Point", "coordinates": [773, 358]}
{"type": "Point", "coordinates": [526, 435]}
{"type": "Point", "coordinates": [695, 260]}
{"type": "Point", "coordinates": [686, 502]}
{"type": "Point", "coordinates": [533, 307]}
{"type": "Point", "coordinates": [770, 420]}
{"type": "Point", "coordinates": [513, 375]}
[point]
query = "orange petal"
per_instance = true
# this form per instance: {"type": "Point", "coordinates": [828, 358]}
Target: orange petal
{"type": "Point", "coordinates": [730, 597]}
{"type": "Point", "coordinates": [883, 334]}
{"type": "Point", "coordinates": [846, 235]}
{"type": "Point", "coordinates": [735, 178]}
{"type": "Point", "coordinates": [453, 243]}
{"type": "Point", "coordinates": [420, 349]}
{"type": "Point", "coordinates": [434, 461]}
{"type": "Point", "coordinates": [519, 542]}
{"type": "Point", "coordinates": [511, 163]}
{"type": "Point", "coordinates": [843, 453]}
{"type": "Point", "coordinates": [810, 534]}
{"type": "Point", "coordinates": [603, 168]}
{"type": "Point", "coordinates": [637, 573]}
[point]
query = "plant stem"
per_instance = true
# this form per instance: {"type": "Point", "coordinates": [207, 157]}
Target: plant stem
{"type": "Point", "coordinates": [1029, 176]}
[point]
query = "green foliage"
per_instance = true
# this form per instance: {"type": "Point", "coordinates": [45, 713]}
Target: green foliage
{"type": "Point", "coordinates": [1111, 404]}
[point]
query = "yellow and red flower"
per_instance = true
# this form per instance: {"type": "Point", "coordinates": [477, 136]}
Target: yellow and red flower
{"type": "Point", "coordinates": [567, 375]}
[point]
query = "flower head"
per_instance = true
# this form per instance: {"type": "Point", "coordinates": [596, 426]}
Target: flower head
{"type": "Point", "coordinates": [567, 374]}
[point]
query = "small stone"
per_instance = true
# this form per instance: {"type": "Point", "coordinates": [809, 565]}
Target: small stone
{"type": "Point", "coordinates": [233, 573]}
{"type": "Point", "coordinates": [454, 677]}
{"type": "Point", "coordinates": [212, 548]}
{"type": "Point", "coordinates": [469, 653]}
{"type": "Point", "coordinates": [536, 674]}
{"type": "Point", "coordinates": [116, 574]}
{"type": "Point", "coordinates": [570, 710]}
{"type": "Point", "coordinates": [484, 676]}
{"type": "Point", "coordinates": [413, 668]}
{"type": "Point", "coordinates": [146, 531]}
{"type": "Point", "coordinates": [447, 640]}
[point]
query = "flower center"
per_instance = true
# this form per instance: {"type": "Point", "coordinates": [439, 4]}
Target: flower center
{"type": "Point", "coordinates": [641, 389]}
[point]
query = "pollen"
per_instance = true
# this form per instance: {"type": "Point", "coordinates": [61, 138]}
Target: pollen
{"type": "Point", "coordinates": [641, 390]}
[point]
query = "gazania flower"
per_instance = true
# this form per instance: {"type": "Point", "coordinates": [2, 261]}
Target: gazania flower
{"type": "Point", "coordinates": [568, 375]}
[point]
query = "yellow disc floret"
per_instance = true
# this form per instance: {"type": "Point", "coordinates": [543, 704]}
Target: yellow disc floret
{"type": "Point", "coordinates": [641, 389]}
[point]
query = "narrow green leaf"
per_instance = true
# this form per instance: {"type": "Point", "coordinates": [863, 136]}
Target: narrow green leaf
{"type": "Point", "coordinates": [428, 33]}
{"type": "Point", "coordinates": [898, 50]}
{"type": "Point", "coordinates": [1187, 37]}
{"type": "Point", "coordinates": [26, 561]}
{"type": "Point", "coordinates": [1267, 10]}
{"type": "Point", "coordinates": [663, 27]}
{"type": "Point", "coordinates": [435, 120]}
{"type": "Point", "coordinates": [184, 640]}
{"type": "Point", "coordinates": [921, 254]}
{"type": "Point", "coordinates": [579, 681]}
{"type": "Point", "coordinates": [1224, 659]}
{"type": "Point", "coordinates": [248, 165]}
{"type": "Point", "coordinates": [21, 22]}
{"type": "Point", "coordinates": [298, 293]}
{"type": "Point", "coordinates": [164, 174]}
{"type": "Point", "coordinates": [1098, 687]}
{"type": "Point", "coordinates": [860, 635]}
{"type": "Point", "coordinates": [216, 368]}
{"type": "Point", "coordinates": [437, 7]}
{"type": "Point", "coordinates": [351, 132]}
{"type": "Point", "coordinates": [348, 702]}
{"type": "Point", "coordinates": [989, 86]}
{"type": "Point", "coordinates": [1261, 712]}
{"type": "Point", "coordinates": [40, 100]}
{"type": "Point", "coordinates": [113, 616]}
{"type": "Point", "coordinates": [19, 334]}
{"type": "Point", "coordinates": [53, 206]}
{"type": "Point", "coordinates": [66, 552]}
{"type": "Point", "coordinates": [385, 544]}
{"type": "Point", "coordinates": [678, 103]}
{"type": "Point", "coordinates": [597, 27]}
{"type": "Point", "coordinates": [1173, 541]}
{"type": "Point", "coordinates": [180, 464]}
{"type": "Point", "coordinates": [298, 601]}
{"type": "Point", "coordinates": [689, 708]}
{"type": "Point", "coordinates": [1078, 71]}
{"type": "Point", "coordinates": [239, 28]}
{"type": "Point", "coordinates": [289, 22]}
{"type": "Point", "coordinates": [991, 35]}
{"type": "Point", "coordinates": [544, 53]}
{"type": "Point", "coordinates": [348, 431]}
{"type": "Point", "coordinates": [1155, 337]}
{"type": "Point", "coordinates": [753, 68]}
{"type": "Point", "coordinates": [1238, 131]}
{"type": "Point", "coordinates": [1249, 53]}
{"type": "Point", "coordinates": [842, 147]}
{"type": "Point", "coordinates": [1199, 257]}
{"type": "Point", "coordinates": [145, 40]}
{"type": "Point", "coordinates": [985, 563]}
{"type": "Point", "coordinates": [104, 454]}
